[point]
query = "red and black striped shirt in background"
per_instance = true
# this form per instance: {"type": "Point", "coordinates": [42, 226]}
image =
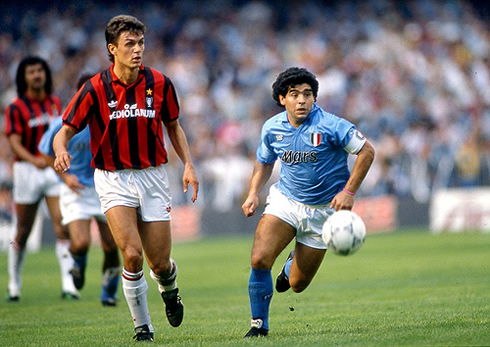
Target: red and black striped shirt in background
{"type": "Point", "coordinates": [125, 120]}
{"type": "Point", "coordinates": [30, 119]}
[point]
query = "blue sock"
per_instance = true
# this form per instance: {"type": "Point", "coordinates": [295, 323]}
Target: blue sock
{"type": "Point", "coordinates": [260, 292]}
{"type": "Point", "coordinates": [287, 267]}
{"type": "Point", "coordinates": [110, 283]}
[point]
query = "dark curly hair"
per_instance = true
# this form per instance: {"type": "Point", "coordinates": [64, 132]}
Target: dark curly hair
{"type": "Point", "coordinates": [20, 78]}
{"type": "Point", "coordinates": [291, 77]}
{"type": "Point", "coordinates": [119, 24]}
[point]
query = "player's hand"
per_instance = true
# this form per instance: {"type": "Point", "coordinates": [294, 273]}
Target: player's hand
{"type": "Point", "coordinates": [72, 182]}
{"type": "Point", "coordinates": [342, 201]}
{"type": "Point", "coordinates": [190, 177]}
{"type": "Point", "coordinates": [250, 205]}
{"type": "Point", "coordinates": [62, 162]}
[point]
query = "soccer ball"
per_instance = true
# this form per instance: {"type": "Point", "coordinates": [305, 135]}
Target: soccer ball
{"type": "Point", "coordinates": [344, 232]}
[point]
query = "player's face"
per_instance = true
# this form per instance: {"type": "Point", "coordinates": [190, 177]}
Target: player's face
{"type": "Point", "coordinates": [298, 103]}
{"type": "Point", "coordinates": [35, 76]}
{"type": "Point", "coordinates": [129, 49]}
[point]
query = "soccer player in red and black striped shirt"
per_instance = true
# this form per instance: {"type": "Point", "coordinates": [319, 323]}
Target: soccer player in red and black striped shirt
{"type": "Point", "coordinates": [126, 108]}
{"type": "Point", "coordinates": [26, 120]}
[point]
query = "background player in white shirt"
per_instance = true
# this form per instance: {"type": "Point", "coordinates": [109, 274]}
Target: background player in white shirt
{"type": "Point", "coordinates": [313, 146]}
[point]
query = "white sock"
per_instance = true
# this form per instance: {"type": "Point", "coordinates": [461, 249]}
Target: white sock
{"type": "Point", "coordinates": [16, 257]}
{"type": "Point", "coordinates": [169, 283]}
{"type": "Point", "coordinates": [135, 289]}
{"type": "Point", "coordinates": [66, 264]}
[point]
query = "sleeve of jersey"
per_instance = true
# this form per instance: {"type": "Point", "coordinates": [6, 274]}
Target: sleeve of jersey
{"type": "Point", "coordinates": [172, 103]}
{"type": "Point", "coordinates": [265, 154]}
{"type": "Point", "coordinates": [78, 110]}
{"type": "Point", "coordinates": [348, 137]}
{"type": "Point", "coordinates": [356, 142]}
{"type": "Point", "coordinates": [46, 144]}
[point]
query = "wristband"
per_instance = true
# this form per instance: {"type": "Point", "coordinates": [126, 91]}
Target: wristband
{"type": "Point", "coordinates": [348, 192]}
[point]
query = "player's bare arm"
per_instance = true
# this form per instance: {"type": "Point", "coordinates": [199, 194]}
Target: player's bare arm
{"type": "Point", "coordinates": [21, 152]}
{"type": "Point", "coordinates": [179, 142]}
{"type": "Point", "coordinates": [260, 176]}
{"type": "Point", "coordinates": [344, 200]}
{"type": "Point", "coordinates": [60, 147]}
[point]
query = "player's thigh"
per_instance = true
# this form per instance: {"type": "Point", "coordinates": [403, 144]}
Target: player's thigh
{"type": "Point", "coordinates": [271, 237]}
{"type": "Point", "coordinates": [305, 264]}
{"type": "Point", "coordinates": [123, 223]}
{"type": "Point", "coordinates": [157, 243]}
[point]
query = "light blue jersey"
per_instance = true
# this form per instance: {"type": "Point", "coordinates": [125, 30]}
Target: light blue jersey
{"type": "Point", "coordinates": [79, 149]}
{"type": "Point", "coordinates": [313, 159]}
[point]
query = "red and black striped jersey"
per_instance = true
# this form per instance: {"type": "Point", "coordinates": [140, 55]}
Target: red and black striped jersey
{"type": "Point", "coordinates": [30, 119]}
{"type": "Point", "coordinates": [125, 120]}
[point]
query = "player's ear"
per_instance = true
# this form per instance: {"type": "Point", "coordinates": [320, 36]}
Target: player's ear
{"type": "Point", "coordinates": [282, 100]}
{"type": "Point", "coordinates": [112, 48]}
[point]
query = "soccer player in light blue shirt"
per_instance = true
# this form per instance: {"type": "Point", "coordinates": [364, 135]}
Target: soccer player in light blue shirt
{"type": "Point", "coordinates": [79, 204]}
{"type": "Point", "coordinates": [313, 147]}
{"type": "Point", "coordinates": [79, 150]}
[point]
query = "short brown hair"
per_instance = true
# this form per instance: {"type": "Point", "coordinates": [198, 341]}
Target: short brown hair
{"type": "Point", "coordinates": [119, 24]}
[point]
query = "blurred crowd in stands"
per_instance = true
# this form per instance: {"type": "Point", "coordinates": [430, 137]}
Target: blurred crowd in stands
{"type": "Point", "coordinates": [414, 76]}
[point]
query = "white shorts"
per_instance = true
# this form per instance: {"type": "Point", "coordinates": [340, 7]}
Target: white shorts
{"type": "Point", "coordinates": [81, 206]}
{"type": "Point", "coordinates": [146, 190]}
{"type": "Point", "coordinates": [32, 183]}
{"type": "Point", "coordinates": [308, 220]}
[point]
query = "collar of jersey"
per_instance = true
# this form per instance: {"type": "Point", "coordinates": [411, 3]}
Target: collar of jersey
{"type": "Point", "coordinates": [117, 80]}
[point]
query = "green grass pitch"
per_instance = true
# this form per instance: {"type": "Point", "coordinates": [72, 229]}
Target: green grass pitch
{"type": "Point", "coordinates": [407, 288]}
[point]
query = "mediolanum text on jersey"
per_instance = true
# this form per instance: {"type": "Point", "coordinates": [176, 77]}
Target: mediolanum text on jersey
{"type": "Point", "coordinates": [291, 157]}
{"type": "Point", "coordinates": [43, 120]}
{"type": "Point", "coordinates": [130, 112]}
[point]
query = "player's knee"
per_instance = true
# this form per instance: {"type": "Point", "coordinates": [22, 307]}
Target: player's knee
{"type": "Point", "coordinates": [299, 285]}
{"type": "Point", "coordinates": [79, 245]}
{"type": "Point", "coordinates": [133, 258]}
{"type": "Point", "coordinates": [164, 268]}
{"type": "Point", "coordinates": [260, 263]}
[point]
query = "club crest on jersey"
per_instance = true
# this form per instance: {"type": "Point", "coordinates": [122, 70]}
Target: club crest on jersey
{"type": "Point", "coordinates": [112, 104]}
{"type": "Point", "coordinates": [149, 98]}
{"type": "Point", "coordinates": [316, 139]}
{"type": "Point", "coordinates": [149, 101]}
{"type": "Point", "coordinates": [279, 137]}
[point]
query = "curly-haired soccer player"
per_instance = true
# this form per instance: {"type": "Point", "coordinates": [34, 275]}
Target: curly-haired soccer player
{"type": "Point", "coordinates": [312, 146]}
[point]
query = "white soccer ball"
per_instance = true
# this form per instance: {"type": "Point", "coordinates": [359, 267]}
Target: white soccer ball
{"type": "Point", "coordinates": [344, 232]}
